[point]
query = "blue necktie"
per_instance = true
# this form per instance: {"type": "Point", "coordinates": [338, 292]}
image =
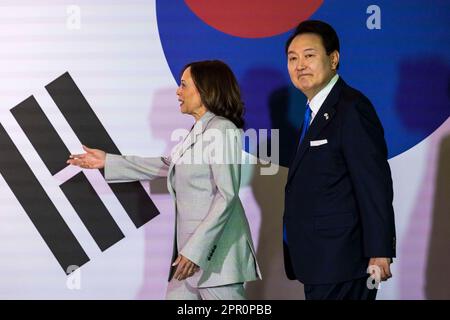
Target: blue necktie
{"type": "Point", "coordinates": [306, 121]}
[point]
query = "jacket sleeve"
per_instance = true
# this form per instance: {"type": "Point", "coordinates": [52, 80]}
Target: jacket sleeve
{"type": "Point", "coordinates": [365, 153]}
{"type": "Point", "coordinates": [132, 168]}
{"type": "Point", "coordinates": [226, 176]}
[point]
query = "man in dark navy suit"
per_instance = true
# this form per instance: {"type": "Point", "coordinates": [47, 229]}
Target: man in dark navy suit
{"type": "Point", "coordinates": [338, 222]}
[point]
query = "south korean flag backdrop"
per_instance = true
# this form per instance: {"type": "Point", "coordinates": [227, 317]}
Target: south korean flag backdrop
{"type": "Point", "coordinates": [104, 74]}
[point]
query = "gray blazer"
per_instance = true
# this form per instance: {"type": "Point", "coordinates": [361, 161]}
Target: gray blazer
{"type": "Point", "coordinates": [211, 228]}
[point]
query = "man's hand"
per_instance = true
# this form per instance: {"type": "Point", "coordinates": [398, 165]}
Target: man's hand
{"type": "Point", "coordinates": [185, 268]}
{"type": "Point", "coordinates": [381, 266]}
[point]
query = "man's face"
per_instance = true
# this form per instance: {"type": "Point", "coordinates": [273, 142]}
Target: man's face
{"type": "Point", "coordinates": [309, 66]}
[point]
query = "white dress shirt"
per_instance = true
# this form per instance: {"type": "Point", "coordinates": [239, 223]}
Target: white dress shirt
{"type": "Point", "coordinates": [317, 101]}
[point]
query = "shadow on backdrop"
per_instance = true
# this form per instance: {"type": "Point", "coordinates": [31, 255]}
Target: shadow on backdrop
{"type": "Point", "coordinates": [438, 262]}
{"type": "Point", "coordinates": [424, 259]}
{"type": "Point", "coordinates": [283, 104]}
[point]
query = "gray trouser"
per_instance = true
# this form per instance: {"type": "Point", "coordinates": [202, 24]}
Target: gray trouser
{"type": "Point", "coordinates": [181, 290]}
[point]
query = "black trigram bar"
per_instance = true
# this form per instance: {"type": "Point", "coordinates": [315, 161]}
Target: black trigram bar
{"type": "Point", "coordinates": [54, 153]}
{"type": "Point", "coordinates": [90, 131]}
{"type": "Point", "coordinates": [41, 134]}
{"type": "Point", "coordinates": [92, 211]}
{"type": "Point", "coordinates": [38, 205]}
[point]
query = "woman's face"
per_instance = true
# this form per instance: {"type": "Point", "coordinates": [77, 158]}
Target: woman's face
{"type": "Point", "coordinates": [189, 97]}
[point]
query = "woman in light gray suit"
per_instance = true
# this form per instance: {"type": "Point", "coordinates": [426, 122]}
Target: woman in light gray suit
{"type": "Point", "coordinates": [213, 249]}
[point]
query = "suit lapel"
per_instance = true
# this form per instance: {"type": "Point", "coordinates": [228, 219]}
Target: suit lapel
{"type": "Point", "coordinates": [321, 120]}
{"type": "Point", "coordinates": [196, 131]}
{"type": "Point", "coordinates": [191, 138]}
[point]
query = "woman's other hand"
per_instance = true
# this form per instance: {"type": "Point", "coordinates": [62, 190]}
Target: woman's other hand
{"type": "Point", "coordinates": [185, 268]}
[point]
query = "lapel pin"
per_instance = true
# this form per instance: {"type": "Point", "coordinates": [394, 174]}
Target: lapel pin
{"type": "Point", "coordinates": [326, 116]}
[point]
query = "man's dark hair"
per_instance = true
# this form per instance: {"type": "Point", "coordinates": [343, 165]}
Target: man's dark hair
{"type": "Point", "coordinates": [326, 32]}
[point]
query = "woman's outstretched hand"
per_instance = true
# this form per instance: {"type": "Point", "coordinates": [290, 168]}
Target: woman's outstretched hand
{"type": "Point", "coordinates": [92, 159]}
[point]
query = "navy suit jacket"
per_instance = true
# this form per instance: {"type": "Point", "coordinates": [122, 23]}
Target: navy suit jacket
{"type": "Point", "coordinates": [338, 196]}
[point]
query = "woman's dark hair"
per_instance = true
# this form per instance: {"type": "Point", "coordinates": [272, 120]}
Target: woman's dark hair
{"type": "Point", "coordinates": [218, 89]}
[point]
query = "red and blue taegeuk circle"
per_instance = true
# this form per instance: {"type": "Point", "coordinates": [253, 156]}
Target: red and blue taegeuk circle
{"type": "Point", "coordinates": [403, 68]}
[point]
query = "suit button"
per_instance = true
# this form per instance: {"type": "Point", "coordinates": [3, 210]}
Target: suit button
{"type": "Point", "coordinates": [288, 190]}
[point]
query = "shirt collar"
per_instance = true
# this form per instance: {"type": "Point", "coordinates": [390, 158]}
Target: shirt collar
{"type": "Point", "coordinates": [317, 101]}
{"type": "Point", "coordinates": [204, 119]}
